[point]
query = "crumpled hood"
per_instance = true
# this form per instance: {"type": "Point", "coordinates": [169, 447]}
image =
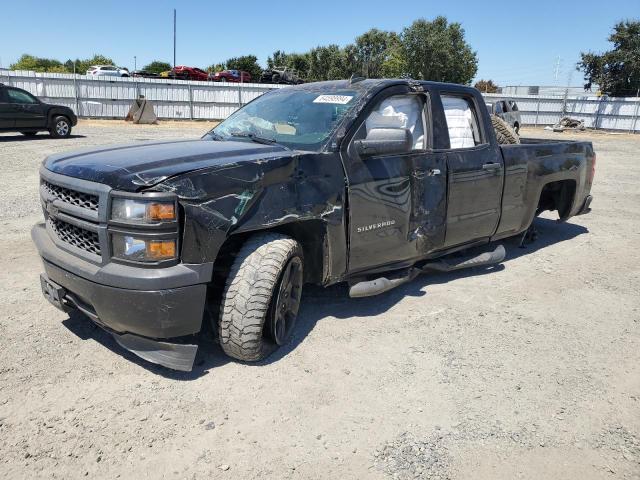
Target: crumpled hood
{"type": "Point", "coordinates": [142, 165]}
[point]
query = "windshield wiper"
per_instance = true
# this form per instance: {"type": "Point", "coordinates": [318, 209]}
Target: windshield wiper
{"type": "Point", "coordinates": [216, 136]}
{"type": "Point", "coordinates": [256, 138]}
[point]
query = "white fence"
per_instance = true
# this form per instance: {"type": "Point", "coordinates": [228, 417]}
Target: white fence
{"type": "Point", "coordinates": [111, 97]}
{"type": "Point", "coordinates": [597, 112]}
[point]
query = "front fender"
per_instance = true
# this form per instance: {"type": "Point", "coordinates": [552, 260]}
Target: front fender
{"type": "Point", "coordinates": [263, 195]}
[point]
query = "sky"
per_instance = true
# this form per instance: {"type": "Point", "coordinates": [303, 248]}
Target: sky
{"type": "Point", "coordinates": [517, 42]}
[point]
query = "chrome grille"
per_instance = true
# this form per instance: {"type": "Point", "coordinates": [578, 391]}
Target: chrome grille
{"type": "Point", "coordinates": [72, 197]}
{"type": "Point", "coordinates": [78, 237]}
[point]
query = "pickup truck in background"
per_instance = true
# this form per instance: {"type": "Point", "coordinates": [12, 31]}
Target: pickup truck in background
{"type": "Point", "coordinates": [369, 182]}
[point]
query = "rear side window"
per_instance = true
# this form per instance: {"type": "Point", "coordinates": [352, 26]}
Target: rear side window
{"type": "Point", "coordinates": [462, 121]}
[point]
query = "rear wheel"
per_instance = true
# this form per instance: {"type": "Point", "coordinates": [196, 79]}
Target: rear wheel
{"type": "Point", "coordinates": [261, 298]}
{"type": "Point", "coordinates": [275, 78]}
{"type": "Point", "coordinates": [61, 127]}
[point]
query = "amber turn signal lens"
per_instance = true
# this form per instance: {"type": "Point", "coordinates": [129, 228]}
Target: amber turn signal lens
{"type": "Point", "coordinates": [161, 249]}
{"type": "Point", "coordinates": [161, 211]}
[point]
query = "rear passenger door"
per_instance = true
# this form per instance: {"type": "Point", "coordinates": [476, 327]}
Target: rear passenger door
{"type": "Point", "coordinates": [7, 115]}
{"type": "Point", "coordinates": [475, 172]}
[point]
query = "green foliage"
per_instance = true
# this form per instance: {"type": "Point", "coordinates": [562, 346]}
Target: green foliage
{"type": "Point", "coordinates": [426, 50]}
{"type": "Point", "coordinates": [486, 86]}
{"type": "Point", "coordinates": [37, 64]}
{"type": "Point", "coordinates": [372, 50]}
{"type": "Point", "coordinates": [296, 61]}
{"type": "Point", "coordinates": [157, 67]}
{"type": "Point", "coordinates": [216, 67]}
{"type": "Point", "coordinates": [617, 71]}
{"type": "Point", "coordinates": [438, 51]}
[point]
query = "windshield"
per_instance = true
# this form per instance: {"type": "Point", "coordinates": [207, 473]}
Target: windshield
{"type": "Point", "coordinates": [298, 119]}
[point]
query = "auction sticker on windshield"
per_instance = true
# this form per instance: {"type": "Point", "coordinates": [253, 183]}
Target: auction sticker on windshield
{"type": "Point", "coordinates": [337, 99]}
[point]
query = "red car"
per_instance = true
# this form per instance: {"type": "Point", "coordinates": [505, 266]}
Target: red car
{"type": "Point", "coordinates": [236, 76]}
{"type": "Point", "coordinates": [189, 73]}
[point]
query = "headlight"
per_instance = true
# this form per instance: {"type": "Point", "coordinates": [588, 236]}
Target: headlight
{"type": "Point", "coordinates": [139, 249]}
{"type": "Point", "coordinates": [142, 211]}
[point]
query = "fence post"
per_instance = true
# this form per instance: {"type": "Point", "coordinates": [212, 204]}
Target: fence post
{"type": "Point", "coordinates": [75, 94]}
{"type": "Point", "coordinates": [635, 116]}
{"type": "Point", "coordinates": [240, 93]}
{"type": "Point", "coordinates": [190, 102]}
{"type": "Point", "coordinates": [537, 110]}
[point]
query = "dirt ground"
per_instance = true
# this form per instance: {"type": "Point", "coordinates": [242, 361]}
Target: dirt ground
{"type": "Point", "coordinates": [528, 370]}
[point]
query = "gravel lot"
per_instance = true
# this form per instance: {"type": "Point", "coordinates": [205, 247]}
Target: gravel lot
{"type": "Point", "coordinates": [528, 370]}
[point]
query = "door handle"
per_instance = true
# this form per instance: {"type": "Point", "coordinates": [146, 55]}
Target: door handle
{"type": "Point", "coordinates": [491, 166]}
{"type": "Point", "coordinates": [432, 172]}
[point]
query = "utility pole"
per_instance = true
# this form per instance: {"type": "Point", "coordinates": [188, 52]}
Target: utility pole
{"type": "Point", "coordinates": [174, 37]}
{"type": "Point", "coordinates": [557, 68]}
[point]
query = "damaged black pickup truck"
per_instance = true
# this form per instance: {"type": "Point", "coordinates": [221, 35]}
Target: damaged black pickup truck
{"type": "Point", "coordinates": [368, 182]}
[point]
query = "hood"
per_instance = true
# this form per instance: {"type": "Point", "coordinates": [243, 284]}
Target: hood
{"type": "Point", "coordinates": [142, 165]}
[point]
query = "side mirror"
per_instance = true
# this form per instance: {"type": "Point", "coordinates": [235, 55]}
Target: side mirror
{"type": "Point", "coordinates": [385, 141]}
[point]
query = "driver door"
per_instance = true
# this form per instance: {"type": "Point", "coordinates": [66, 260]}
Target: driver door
{"type": "Point", "coordinates": [396, 200]}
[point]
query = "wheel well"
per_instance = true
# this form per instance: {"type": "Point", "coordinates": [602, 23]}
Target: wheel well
{"type": "Point", "coordinates": [310, 234]}
{"type": "Point", "coordinates": [557, 196]}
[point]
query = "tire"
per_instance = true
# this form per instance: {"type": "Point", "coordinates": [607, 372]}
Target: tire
{"type": "Point", "coordinates": [261, 297]}
{"type": "Point", "coordinates": [60, 127]}
{"type": "Point", "coordinates": [275, 78]}
{"type": "Point", "coordinates": [223, 79]}
{"type": "Point", "coordinates": [516, 128]}
{"type": "Point", "coordinates": [504, 133]}
{"type": "Point", "coordinates": [29, 134]}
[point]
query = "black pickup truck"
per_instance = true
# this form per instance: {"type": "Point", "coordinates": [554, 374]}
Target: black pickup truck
{"type": "Point", "coordinates": [369, 182]}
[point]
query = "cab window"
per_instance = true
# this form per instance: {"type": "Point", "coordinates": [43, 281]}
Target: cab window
{"type": "Point", "coordinates": [18, 96]}
{"type": "Point", "coordinates": [462, 121]}
{"type": "Point", "coordinates": [400, 111]}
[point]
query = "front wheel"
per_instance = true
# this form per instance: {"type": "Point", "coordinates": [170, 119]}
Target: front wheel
{"type": "Point", "coordinates": [261, 297]}
{"type": "Point", "coordinates": [61, 127]}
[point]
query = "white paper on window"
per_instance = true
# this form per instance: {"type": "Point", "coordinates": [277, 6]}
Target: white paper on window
{"type": "Point", "coordinates": [399, 112]}
{"type": "Point", "coordinates": [459, 121]}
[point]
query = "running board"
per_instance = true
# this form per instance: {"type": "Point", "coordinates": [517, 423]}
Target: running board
{"type": "Point", "coordinates": [482, 260]}
{"type": "Point", "coordinates": [384, 284]}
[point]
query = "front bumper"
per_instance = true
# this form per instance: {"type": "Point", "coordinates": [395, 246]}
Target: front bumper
{"type": "Point", "coordinates": [154, 305]}
{"type": "Point", "coordinates": [586, 206]}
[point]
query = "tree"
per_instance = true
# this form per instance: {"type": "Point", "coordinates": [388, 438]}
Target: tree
{"type": "Point", "coordinates": [331, 63]}
{"type": "Point", "coordinates": [438, 51]}
{"type": "Point", "coordinates": [157, 67]}
{"type": "Point", "coordinates": [37, 64]}
{"type": "Point", "coordinates": [216, 67]}
{"type": "Point", "coordinates": [486, 86]}
{"type": "Point", "coordinates": [247, 63]}
{"type": "Point", "coordinates": [372, 50]}
{"type": "Point", "coordinates": [296, 61]}
{"type": "Point", "coordinates": [395, 63]}
{"type": "Point", "coordinates": [617, 71]}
